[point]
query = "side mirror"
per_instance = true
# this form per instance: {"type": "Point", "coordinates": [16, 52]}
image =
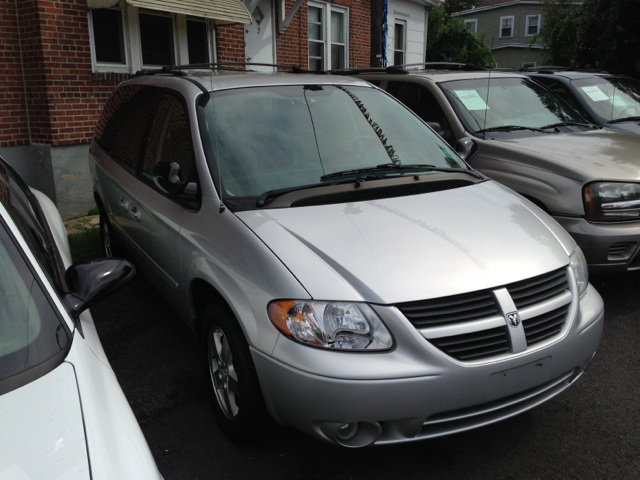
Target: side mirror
{"type": "Point", "coordinates": [94, 280]}
{"type": "Point", "coordinates": [467, 148]}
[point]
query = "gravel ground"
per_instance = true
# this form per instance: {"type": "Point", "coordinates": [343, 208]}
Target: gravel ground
{"type": "Point", "coordinates": [591, 431]}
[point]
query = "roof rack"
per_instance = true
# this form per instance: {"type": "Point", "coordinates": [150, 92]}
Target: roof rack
{"type": "Point", "coordinates": [553, 69]}
{"type": "Point", "coordinates": [444, 66]}
{"type": "Point", "coordinates": [180, 69]}
{"type": "Point", "coordinates": [355, 71]}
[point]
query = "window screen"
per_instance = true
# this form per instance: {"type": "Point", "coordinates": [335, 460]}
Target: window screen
{"type": "Point", "coordinates": [107, 36]}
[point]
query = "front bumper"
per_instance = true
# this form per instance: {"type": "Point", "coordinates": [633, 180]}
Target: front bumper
{"type": "Point", "coordinates": [608, 247]}
{"type": "Point", "coordinates": [415, 391]}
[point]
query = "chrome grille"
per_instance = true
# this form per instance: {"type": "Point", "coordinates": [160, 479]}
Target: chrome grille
{"type": "Point", "coordinates": [471, 327]}
{"type": "Point", "coordinates": [476, 345]}
{"type": "Point", "coordinates": [544, 326]}
{"type": "Point", "coordinates": [538, 289]}
{"type": "Point", "coordinates": [447, 310]}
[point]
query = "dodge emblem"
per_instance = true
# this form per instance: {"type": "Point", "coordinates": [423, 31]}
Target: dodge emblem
{"type": "Point", "coordinates": [513, 319]}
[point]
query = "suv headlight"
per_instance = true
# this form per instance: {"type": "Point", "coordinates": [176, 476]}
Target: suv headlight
{"type": "Point", "coordinates": [612, 201]}
{"type": "Point", "coordinates": [580, 269]}
{"type": "Point", "coordinates": [336, 325]}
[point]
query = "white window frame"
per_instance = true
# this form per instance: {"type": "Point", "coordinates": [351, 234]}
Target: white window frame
{"type": "Point", "coordinates": [326, 9]}
{"type": "Point", "coordinates": [526, 25]}
{"type": "Point", "coordinates": [402, 22]}
{"type": "Point", "coordinates": [111, 67]}
{"type": "Point", "coordinates": [529, 64]}
{"type": "Point", "coordinates": [473, 22]}
{"type": "Point", "coordinates": [513, 27]}
{"type": "Point", "coordinates": [133, 43]}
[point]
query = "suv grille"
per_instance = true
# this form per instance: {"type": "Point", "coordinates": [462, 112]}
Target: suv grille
{"type": "Point", "coordinates": [543, 293]}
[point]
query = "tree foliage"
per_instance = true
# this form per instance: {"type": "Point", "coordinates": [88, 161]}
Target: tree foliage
{"type": "Point", "coordinates": [601, 34]}
{"type": "Point", "coordinates": [449, 40]}
{"type": "Point", "coordinates": [453, 6]}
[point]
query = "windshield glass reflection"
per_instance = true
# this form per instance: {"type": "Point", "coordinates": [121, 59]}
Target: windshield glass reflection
{"type": "Point", "coordinates": [610, 99]}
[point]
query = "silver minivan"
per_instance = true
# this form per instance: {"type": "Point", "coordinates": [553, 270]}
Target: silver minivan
{"type": "Point", "coordinates": [347, 273]}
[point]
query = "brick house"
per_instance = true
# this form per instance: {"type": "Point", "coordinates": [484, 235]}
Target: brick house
{"type": "Point", "coordinates": [60, 60]}
{"type": "Point", "coordinates": [511, 27]}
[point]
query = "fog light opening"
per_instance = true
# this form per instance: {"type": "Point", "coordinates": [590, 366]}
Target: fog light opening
{"type": "Point", "coordinates": [347, 431]}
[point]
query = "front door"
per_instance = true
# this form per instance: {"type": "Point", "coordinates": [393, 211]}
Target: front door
{"type": "Point", "coordinates": [258, 37]}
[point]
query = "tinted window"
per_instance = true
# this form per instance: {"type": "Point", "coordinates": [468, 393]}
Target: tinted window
{"type": "Point", "coordinates": [121, 128]}
{"type": "Point", "coordinates": [168, 139]}
{"type": "Point", "coordinates": [279, 137]}
{"type": "Point", "coordinates": [560, 90]}
{"type": "Point", "coordinates": [31, 332]}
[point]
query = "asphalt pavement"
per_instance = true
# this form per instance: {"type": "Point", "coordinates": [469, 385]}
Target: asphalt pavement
{"type": "Point", "coordinates": [590, 431]}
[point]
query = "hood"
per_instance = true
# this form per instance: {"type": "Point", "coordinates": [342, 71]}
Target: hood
{"type": "Point", "coordinates": [43, 432]}
{"type": "Point", "coordinates": [602, 154]}
{"type": "Point", "coordinates": [633, 127]}
{"type": "Point", "coordinates": [413, 248]}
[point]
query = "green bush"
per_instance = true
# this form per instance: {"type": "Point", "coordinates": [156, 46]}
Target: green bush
{"type": "Point", "coordinates": [85, 245]}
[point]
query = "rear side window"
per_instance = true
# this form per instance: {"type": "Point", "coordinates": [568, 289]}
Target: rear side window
{"type": "Point", "coordinates": [123, 123]}
{"type": "Point", "coordinates": [169, 139]}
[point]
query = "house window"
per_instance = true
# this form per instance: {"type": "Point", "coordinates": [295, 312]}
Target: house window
{"type": "Point", "coordinates": [197, 41]}
{"type": "Point", "coordinates": [108, 36]}
{"type": "Point", "coordinates": [472, 25]}
{"type": "Point", "coordinates": [506, 27]}
{"type": "Point", "coordinates": [327, 33]}
{"type": "Point", "coordinates": [156, 39]}
{"type": "Point", "coordinates": [528, 64]}
{"type": "Point", "coordinates": [533, 25]}
{"type": "Point", "coordinates": [399, 43]}
{"type": "Point", "coordinates": [125, 39]}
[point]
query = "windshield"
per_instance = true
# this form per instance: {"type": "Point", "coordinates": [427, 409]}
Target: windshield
{"type": "Point", "coordinates": [269, 138]}
{"type": "Point", "coordinates": [31, 333]}
{"type": "Point", "coordinates": [610, 99]}
{"type": "Point", "coordinates": [503, 102]}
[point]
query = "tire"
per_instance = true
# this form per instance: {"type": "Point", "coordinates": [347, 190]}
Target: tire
{"type": "Point", "coordinates": [109, 242]}
{"type": "Point", "coordinates": [235, 391]}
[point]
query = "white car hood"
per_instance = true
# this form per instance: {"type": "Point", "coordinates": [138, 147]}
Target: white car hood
{"type": "Point", "coordinates": [42, 430]}
{"type": "Point", "coordinates": [412, 248]}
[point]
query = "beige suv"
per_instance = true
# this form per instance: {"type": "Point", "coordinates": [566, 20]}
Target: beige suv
{"type": "Point", "coordinates": [586, 177]}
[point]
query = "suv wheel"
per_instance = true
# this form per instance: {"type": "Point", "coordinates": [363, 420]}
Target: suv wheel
{"type": "Point", "coordinates": [233, 382]}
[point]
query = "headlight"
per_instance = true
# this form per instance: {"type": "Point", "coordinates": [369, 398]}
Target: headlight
{"type": "Point", "coordinates": [580, 269]}
{"type": "Point", "coordinates": [612, 201]}
{"type": "Point", "coordinates": [337, 325]}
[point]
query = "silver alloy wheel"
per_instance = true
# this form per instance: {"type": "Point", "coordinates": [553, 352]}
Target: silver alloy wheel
{"type": "Point", "coordinates": [223, 374]}
{"type": "Point", "coordinates": [106, 239]}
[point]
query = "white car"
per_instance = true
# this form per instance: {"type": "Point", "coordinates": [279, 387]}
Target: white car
{"type": "Point", "coordinates": [62, 412]}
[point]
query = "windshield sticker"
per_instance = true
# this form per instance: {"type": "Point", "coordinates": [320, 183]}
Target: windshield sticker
{"type": "Point", "coordinates": [618, 101]}
{"type": "Point", "coordinates": [595, 93]}
{"type": "Point", "coordinates": [471, 100]}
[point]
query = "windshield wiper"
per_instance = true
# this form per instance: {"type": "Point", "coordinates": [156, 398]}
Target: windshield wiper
{"type": "Point", "coordinates": [377, 168]}
{"type": "Point", "coordinates": [507, 128]}
{"type": "Point", "coordinates": [566, 124]}
{"type": "Point", "coordinates": [625, 119]}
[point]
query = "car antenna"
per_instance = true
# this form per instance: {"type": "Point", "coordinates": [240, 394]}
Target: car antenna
{"type": "Point", "coordinates": [215, 134]}
{"type": "Point", "coordinates": [486, 106]}
{"type": "Point", "coordinates": [613, 100]}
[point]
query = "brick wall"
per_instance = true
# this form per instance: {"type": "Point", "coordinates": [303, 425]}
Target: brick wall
{"type": "Point", "coordinates": [13, 113]}
{"type": "Point", "coordinates": [293, 48]}
{"type": "Point", "coordinates": [230, 43]}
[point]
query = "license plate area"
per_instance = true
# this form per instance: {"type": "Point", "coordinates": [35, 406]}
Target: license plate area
{"type": "Point", "coordinates": [515, 380]}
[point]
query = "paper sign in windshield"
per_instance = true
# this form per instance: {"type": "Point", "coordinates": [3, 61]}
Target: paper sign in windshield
{"type": "Point", "coordinates": [618, 101]}
{"type": "Point", "coordinates": [595, 93]}
{"type": "Point", "coordinates": [471, 100]}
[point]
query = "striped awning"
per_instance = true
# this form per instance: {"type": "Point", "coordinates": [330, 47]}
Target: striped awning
{"type": "Point", "coordinates": [224, 12]}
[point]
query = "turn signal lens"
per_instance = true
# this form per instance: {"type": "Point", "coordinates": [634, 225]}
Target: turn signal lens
{"type": "Point", "coordinates": [338, 325]}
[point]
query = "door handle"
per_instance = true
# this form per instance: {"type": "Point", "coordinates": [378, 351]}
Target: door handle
{"type": "Point", "coordinates": [134, 212]}
{"type": "Point", "coordinates": [124, 203]}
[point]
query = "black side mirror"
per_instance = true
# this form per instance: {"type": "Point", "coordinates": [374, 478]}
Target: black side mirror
{"type": "Point", "coordinates": [436, 127]}
{"type": "Point", "coordinates": [94, 280]}
{"type": "Point", "coordinates": [168, 179]}
{"type": "Point", "coordinates": [467, 148]}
